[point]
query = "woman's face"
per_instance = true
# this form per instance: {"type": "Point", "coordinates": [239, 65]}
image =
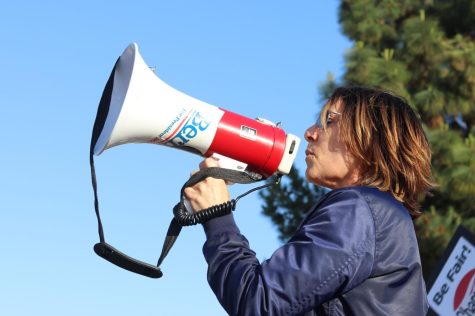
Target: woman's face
{"type": "Point", "coordinates": [329, 163]}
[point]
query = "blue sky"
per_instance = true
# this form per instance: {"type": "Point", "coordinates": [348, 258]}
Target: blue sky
{"type": "Point", "coordinates": [255, 58]}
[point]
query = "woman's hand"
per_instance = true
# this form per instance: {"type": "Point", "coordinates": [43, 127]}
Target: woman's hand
{"type": "Point", "coordinates": [208, 192]}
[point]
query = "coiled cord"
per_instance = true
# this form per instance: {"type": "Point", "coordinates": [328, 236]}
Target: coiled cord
{"type": "Point", "coordinates": [184, 218]}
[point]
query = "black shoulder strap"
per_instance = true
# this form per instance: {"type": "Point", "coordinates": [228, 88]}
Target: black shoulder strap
{"type": "Point", "coordinates": [102, 248]}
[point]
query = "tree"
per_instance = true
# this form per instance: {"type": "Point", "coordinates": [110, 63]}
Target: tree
{"type": "Point", "coordinates": [425, 52]}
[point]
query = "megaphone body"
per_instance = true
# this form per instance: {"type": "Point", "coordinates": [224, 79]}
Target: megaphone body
{"type": "Point", "coordinates": [138, 107]}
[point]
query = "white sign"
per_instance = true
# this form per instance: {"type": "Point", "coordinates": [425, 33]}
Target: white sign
{"type": "Point", "coordinates": [453, 291]}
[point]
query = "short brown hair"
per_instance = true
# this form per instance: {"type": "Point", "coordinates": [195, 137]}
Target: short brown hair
{"type": "Point", "coordinates": [385, 135]}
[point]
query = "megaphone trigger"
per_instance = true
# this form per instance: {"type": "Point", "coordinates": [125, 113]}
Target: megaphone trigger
{"type": "Point", "coordinates": [229, 163]}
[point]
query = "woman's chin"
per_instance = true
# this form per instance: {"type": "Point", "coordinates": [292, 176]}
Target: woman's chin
{"type": "Point", "coordinates": [311, 177]}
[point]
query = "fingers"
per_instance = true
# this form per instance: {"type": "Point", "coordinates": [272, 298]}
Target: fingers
{"type": "Point", "coordinates": [191, 194]}
{"type": "Point", "coordinates": [209, 162]}
{"type": "Point", "coordinates": [207, 193]}
{"type": "Point", "coordinates": [206, 163]}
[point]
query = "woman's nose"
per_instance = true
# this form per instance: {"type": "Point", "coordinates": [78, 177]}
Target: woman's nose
{"type": "Point", "coordinates": [311, 134]}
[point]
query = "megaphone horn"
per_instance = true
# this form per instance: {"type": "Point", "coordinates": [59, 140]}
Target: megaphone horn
{"type": "Point", "coordinates": [137, 107]}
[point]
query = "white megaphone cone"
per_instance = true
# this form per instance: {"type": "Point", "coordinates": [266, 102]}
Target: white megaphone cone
{"type": "Point", "coordinates": [138, 107]}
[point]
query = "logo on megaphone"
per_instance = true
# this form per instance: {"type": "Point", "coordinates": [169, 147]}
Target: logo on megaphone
{"type": "Point", "coordinates": [138, 107]}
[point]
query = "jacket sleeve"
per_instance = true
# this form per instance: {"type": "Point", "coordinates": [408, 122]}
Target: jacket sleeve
{"type": "Point", "coordinates": [331, 252]}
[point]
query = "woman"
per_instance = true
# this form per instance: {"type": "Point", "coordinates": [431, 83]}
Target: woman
{"type": "Point", "coordinates": [356, 251]}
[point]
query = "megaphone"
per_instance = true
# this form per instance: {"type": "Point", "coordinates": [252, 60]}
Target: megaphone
{"type": "Point", "coordinates": [138, 107]}
{"type": "Point", "coordinates": [141, 108]}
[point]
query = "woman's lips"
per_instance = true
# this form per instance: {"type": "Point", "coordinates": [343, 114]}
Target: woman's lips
{"type": "Point", "coordinates": [309, 156]}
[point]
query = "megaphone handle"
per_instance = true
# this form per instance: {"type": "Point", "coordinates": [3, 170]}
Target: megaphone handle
{"type": "Point", "coordinates": [185, 218]}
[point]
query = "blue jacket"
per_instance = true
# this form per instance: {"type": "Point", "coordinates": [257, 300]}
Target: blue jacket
{"type": "Point", "coordinates": [355, 253]}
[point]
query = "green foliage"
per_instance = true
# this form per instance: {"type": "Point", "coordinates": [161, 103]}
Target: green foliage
{"type": "Point", "coordinates": [453, 169]}
{"type": "Point", "coordinates": [434, 231]}
{"type": "Point", "coordinates": [425, 52]}
{"type": "Point", "coordinates": [365, 66]}
{"type": "Point", "coordinates": [457, 17]}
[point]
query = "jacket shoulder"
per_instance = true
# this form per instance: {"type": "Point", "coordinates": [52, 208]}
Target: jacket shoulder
{"type": "Point", "coordinates": [378, 201]}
